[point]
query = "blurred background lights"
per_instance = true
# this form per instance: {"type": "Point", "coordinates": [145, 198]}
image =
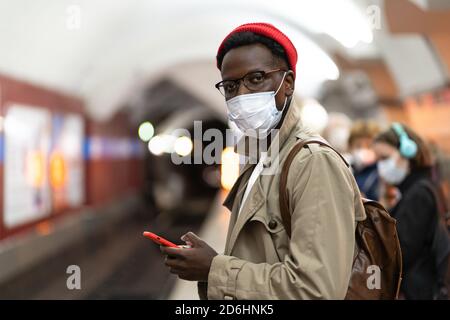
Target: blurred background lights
{"type": "Point", "coordinates": [156, 145]}
{"type": "Point", "coordinates": [146, 131]}
{"type": "Point", "coordinates": [230, 168]}
{"type": "Point", "coordinates": [314, 116]}
{"type": "Point", "coordinates": [183, 146]}
{"type": "Point", "coordinates": [162, 143]}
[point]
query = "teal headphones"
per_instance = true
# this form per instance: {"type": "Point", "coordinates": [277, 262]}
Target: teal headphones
{"type": "Point", "coordinates": [408, 148]}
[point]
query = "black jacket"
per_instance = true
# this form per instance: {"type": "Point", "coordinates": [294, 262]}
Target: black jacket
{"type": "Point", "coordinates": [416, 215]}
{"type": "Point", "coordinates": [368, 181]}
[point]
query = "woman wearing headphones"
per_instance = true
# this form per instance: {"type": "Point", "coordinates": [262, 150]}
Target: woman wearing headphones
{"type": "Point", "coordinates": [404, 162]}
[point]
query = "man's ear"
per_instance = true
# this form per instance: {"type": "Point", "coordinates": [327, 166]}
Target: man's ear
{"type": "Point", "coordinates": [289, 83]}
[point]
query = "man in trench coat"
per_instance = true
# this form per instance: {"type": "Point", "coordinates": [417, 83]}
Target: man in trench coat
{"type": "Point", "coordinates": [260, 260]}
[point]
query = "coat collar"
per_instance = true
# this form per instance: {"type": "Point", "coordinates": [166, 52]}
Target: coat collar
{"type": "Point", "coordinates": [256, 198]}
{"type": "Point", "coordinates": [291, 121]}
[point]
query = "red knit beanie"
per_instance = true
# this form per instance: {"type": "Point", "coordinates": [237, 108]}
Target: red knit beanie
{"type": "Point", "coordinates": [269, 31]}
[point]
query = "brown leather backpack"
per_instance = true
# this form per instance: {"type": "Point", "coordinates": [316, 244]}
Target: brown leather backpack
{"type": "Point", "coordinates": [377, 248]}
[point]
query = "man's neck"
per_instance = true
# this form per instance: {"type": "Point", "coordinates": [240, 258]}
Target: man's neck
{"type": "Point", "coordinates": [278, 126]}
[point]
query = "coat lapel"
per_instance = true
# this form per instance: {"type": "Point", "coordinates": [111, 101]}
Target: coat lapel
{"type": "Point", "coordinates": [254, 201]}
{"type": "Point", "coordinates": [234, 198]}
{"type": "Point", "coordinates": [229, 201]}
{"type": "Point", "coordinates": [256, 197]}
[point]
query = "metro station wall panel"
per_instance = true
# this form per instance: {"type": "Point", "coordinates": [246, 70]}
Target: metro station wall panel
{"type": "Point", "coordinates": [54, 160]}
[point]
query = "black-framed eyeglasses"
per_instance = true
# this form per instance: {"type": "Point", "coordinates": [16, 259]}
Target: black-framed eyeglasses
{"type": "Point", "coordinates": [253, 81]}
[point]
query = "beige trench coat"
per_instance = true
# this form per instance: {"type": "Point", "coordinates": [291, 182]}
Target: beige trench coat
{"type": "Point", "coordinates": [260, 261]}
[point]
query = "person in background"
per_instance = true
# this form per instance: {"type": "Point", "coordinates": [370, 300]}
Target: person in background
{"type": "Point", "coordinates": [337, 132]}
{"type": "Point", "coordinates": [363, 158]}
{"type": "Point", "coordinates": [404, 162]}
{"type": "Point", "coordinates": [441, 177]}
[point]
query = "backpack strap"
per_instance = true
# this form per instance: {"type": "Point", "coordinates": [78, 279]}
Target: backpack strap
{"type": "Point", "coordinates": [283, 196]}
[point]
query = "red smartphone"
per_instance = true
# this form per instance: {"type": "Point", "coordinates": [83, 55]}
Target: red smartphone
{"type": "Point", "coordinates": [159, 240]}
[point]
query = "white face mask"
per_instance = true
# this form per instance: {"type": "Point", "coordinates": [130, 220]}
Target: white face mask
{"type": "Point", "coordinates": [236, 133]}
{"type": "Point", "coordinates": [390, 172]}
{"type": "Point", "coordinates": [363, 158]}
{"type": "Point", "coordinates": [255, 114]}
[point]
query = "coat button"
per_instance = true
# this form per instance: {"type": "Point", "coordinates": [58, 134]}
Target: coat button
{"type": "Point", "coordinates": [273, 224]}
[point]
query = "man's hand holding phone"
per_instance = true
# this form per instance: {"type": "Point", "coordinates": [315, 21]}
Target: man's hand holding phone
{"type": "Point", "coordinates": [159, 240]}
{"type": "Point", "coordinates": [191, 262]}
